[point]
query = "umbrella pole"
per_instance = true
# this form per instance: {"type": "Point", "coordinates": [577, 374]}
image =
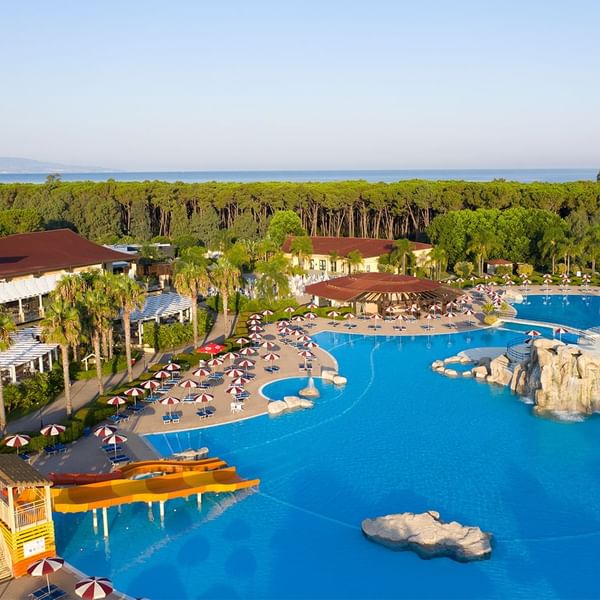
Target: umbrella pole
{"type": "Point", "coordinates": [48, 582]}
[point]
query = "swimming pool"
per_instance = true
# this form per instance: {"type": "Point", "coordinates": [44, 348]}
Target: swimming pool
{"type": "Point", "coordinates": [397, 438]}
{"type": "Point", "coordinates": [575, 311]}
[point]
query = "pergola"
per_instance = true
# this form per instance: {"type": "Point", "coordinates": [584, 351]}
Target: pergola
{"type": "Point", "coordinates": [27, 352]}
{"type": "Point", "coordinates": [161, 306]}
{"type": "Point", "coordinates": [384, 290]}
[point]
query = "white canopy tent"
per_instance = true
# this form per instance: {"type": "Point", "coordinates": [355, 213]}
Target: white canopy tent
{"type": "Point", "coordinates": [27, 350]}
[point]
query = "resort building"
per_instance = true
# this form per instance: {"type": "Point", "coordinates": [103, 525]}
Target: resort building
{"type": "Point", "coordinates": [494, 263]}
{"type": "Point", "coordinates": [32, 263]}
{"type": "Point", "coordinates": [330, 253]}
{"type": "Point", "coordinates": [381, 292]}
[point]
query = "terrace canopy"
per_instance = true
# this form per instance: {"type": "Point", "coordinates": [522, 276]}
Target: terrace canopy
{"type": "Point", "coordinates": [383, 290]}
{"type": "Point", "coordinates": [27, 354]}
{"type": "Point", "coordinates": [162, 306]}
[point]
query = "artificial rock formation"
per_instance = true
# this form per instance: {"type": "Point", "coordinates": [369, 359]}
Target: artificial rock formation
{"type": "Point", "coordinates": [559, 377]}
{"type": "Point", "coordinates": [277, 407]}
{"type": "Point", "coordinates": [429, 536]}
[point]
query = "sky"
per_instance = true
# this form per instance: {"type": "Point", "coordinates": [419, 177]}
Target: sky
{"type": "Point", "coordinates": [307, 84]}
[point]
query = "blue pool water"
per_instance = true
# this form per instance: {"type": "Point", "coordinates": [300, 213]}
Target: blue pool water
{"type": "Point", "coordinates": [575, 311]}
{"type": "Point", "coordinates": [397, 438]}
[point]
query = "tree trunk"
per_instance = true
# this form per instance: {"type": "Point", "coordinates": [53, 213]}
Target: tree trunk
{"type": "Point", "coordinates": [2, 409]}
{"type": "Point", "coordinates": [127, 330]}
{"type": "Point", "coordinates": [96, 338]}
{"type": "Point", "coordinates": [64, 353]}
{"type": "Point", "coordinates": [111, 342]}
{"type": "Point", "coordinates": [195, 320]}
{"type": "Point", "coordinates": [225, 296]}
{"type": "Point", "coordinates": [553, 264]}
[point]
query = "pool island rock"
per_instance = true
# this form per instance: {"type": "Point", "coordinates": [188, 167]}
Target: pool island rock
{"type": "Point", "coordinates": [429, 536]}
{"type": "Point", "coordinates": [277, 407]}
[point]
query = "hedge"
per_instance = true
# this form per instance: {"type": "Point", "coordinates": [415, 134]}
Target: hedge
{"type": "Point", "coordinates": [173, 335]}
{"type": "Point", "coordinates": [33, 392]}
{"type": "Point", "coordinates": [109, 367]}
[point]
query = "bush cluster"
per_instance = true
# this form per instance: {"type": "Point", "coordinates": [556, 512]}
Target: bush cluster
{"type": "Point", "coordinates": [173, 335]}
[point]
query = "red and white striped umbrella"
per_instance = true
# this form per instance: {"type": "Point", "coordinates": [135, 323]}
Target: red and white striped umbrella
{"type": "Point", "coordinates": [283, 323]}
{"type": "Point", "coordinates": [248, 351]}
{"type": "Point", "coordinates": [375, 317]}
{"type": "Point", "coordinates": [235, 373]}
{"type": "Point", "coordinates": [298, 333]}
{"type": "Point", "coordinates": [134, 392]}
{"type": "Point", "coordinates": [231, 356]}
{"type": "Point", "coordinates": [303, 338]}
{"type": "Point", "coordinates": [286, 331]}
{"type": "Point", "coordinates": [268, 345]}
{"type": "Point", "coordinates": [162, 375]}
{"type": "Point", "coordinates": [52, 430]}
{"type": "Point", "coordinates": [390, 309]}
{"type": "Point", "coordinates": [246, 363]}
{"type": "Point", "coordinates": [469, 312]}
{"type": "Point", "coordinates": [215, 362]}
{"type": "Point", "coordinates": [242, 341]}
{"type": "Point", "coordinates": [271, 356]}
{"type": "Point", "coordinates": [114, 439]}
{"type": "Point", "coordinates": [172, 367]}
{"type": "Point", "coordinates": [256, 329]}
{"type": "Point", "coordinates": [104, 431]}
{"type": "Point", "coordinates": [312, 305]}
{"type": "Point", "coordinates": [333, 314]}
{"type": "Point", "coordinates": [267, 312]}
{"type": "Point", "coordinates": [150, 384]}
{"type": "Point", "coordinates": [400, 318]}
{"type": "Point", "coordinates": [255, 336]}
{"type": "Point", "coordinates": [256, 316]}
{"type": "Point", "coordinates": [94, 588]}
{"type": "Point", "coordinates": [169, 401]}
{"type": "Point", "coordinates": [311, 344]}
{"type": "Point", "coordinates": [17, 440]}
{"type": "Point", "coordinates": [45, 567]}
{"type": "Point", "coordinates": [240, 381]}
{"type": "Point", "coordinates": [429, 317]}
{"type": "Point", "coordinates": [204, 397]}
{"type": "Point", "coordinates": [305, 354]}
{"type": "Point", "coordinates": [450, 315]}
{"type": "Point", "coordinates": [297, 318]}
{"type": "Point", "coordinates": [348, 316]}
{"type": "Point", "coordinates": [253, 322]}
{"type": "Point", "coordinates": [187, 383]}
{"type": "Point", "coordinates": [289, 309]}
{"type": "Point", "coordinates": [560, 331]}
{"type": "Point", "coordinates": [310, 316]}
{"type": "Point", "coordinates": [116, 401]}
{"type": "Point", "coordinates": [533, 333]}
{"type": "Point", "coordinates": [201, 372]}
{"type": "Point", "coordinates": [234, 390]}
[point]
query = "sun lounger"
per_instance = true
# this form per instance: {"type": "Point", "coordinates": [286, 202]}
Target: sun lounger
{"type": "Point", "coordinates": [135, 408]}
{"type": "Point", "coordinates": [111, 448]}
{"type": "Point", "coordinates": [175, 418]}
{"type": "Point", "coordinates": [43, 594]}
{"type": "Point", "coordinates": [167, 419]}
{"type": "Point", "coordinates": [120, 458]}
{"type": "Point", "coordinates": [24, 456]}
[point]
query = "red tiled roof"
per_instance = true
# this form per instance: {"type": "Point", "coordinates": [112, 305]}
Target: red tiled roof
{"type": "Point", "coordinates": [41, 251]}
{"type": "Point", "coordinates": [368, 247]}
{"type": "Point", "coordinates": [499, 261]}
{"type": "Point", "coordinates": [351, 286]}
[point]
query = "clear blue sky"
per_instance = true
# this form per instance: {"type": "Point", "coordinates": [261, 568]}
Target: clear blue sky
{"type": "Point", "coordinates": [285, 84]}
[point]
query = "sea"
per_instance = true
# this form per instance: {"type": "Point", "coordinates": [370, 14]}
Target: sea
{"type": "Point", "coordinates": [385, 176]}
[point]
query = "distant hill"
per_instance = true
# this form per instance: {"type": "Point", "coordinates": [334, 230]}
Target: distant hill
{"type": "Point", "coordinates": [27, 165]}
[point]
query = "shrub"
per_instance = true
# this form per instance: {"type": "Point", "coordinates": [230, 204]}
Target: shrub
{"type": "Point", "coordinates": [237, 303]}
{"type": "Point", "coordinates": [463, 268]}
{"type": "Point", "coordinates": [525, 269]}
{"type": "Point", "coordinates": [33, 392]}
{"type": "Point", "coordinates": [490, 319]}
{"type": "Point", "coordinates": [173, 335]}
{"type": "Point", "coordinates": [503, 270]}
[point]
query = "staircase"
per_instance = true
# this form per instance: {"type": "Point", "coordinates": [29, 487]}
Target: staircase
{"type": "Point", "coordinates": [5, 569]}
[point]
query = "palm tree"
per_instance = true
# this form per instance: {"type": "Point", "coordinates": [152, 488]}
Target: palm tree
{"type": "Point", "coordinates": [273, 281]}
{"type": "Point", "coordinates": [333, 260]}
{"type": "Point", "coordinates": [99, 311]}
{"type": "Point", "coordinates": [592, 245]}
{"type": "Point", "coordinates": [191, 279]}
{"type": "Point", "coordinates": [482, 242]}
{"type": "Point", "coordinates": [550, 244]}
{"type": "Point", "coordinates": [353, 259]}
{"type": "Point", "coordinates": [62, 326]}
{"type": "Point", "coordinates": [438, 258]}
{"type": "Point", "coordinates": [398, 256]}
{"type": "Point", "coordinates": [301, 248]}
{"type": "Point", "coordinates": [225, 276]}
{"type": "Point", "coordinates": [7, 326]}
{"type": "Point", "coordinates": [130, 296]}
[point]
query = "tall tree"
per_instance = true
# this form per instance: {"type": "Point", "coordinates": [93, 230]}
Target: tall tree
{"type": "Point", "coordinates": [302, 248]}
{"type": "Point", "coordinates": [273, 278]}
{"type": "Point", "coordinates": [130, 296]}
{"type": "Point", "coordinates": [481, 244]}
{"type": "Point", "coordinates": [401, 252]}
{"type": "Point", "coordinates": [334, 257]}
{"type": "Point", "coordinates": [98, 310]}
{"type": "Point", "coordinates": [191, 280]}
{"type": "Point", "coordinates": [354, 258]}
{"type": "Point", "coordinates": [7, 327]}
{"type": "Point", "coordinates": [282, 224]}
{"type": "Point", "coordinates": [225, 276]}
{"type": "Point", "coordinates": [551, 243]}
{"type": "Point", "coordinates": [62, 326]}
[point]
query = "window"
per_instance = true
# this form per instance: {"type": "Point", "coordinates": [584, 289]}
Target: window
{"type": "Point", "coordinates": [333, 266]}
{"type": "Point", "coordinates": [368, 268]}
{"type": "Point", "coordinates": [312, 264]}
{"type": "Point", "coordinates": [322, 265]}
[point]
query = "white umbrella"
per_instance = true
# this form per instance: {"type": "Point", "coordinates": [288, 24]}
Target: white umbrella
{"type": "Point", "coordinates": [248, 351]}
{"type": "Point", "coordinates": [560, 331]}
{"type": "Point", "coordinates": [17, 440]}
{"type": "Point", "coordinates": [94, 588]}
{"type": "Point", "coordinates": [187, 384]}
{"type": "Point", "coordinates": [201, 372]}
{"type": "Point", "coordinates": [172, 367]}
{"type": "Point", "coordinates": [45, 567]}
{"type": "Point", "coordinates": [169, 401]}
{"type": "Point", "coordinates": [268, 345]}
{"type": "Point", "coordinates": [204, 397]}
{"type": "Point", "coordinates": [230, 356]}
{"type": "Point", "coordinates": [104, 430]}
{"type": "Point", "coordinates": [215, 362]}
{"type": "Point", "coordinates": [333, 314]}
{"type": "Point", "coordinates": [234, 390]}
{"type": "Point", "coordinates": [114, 439]}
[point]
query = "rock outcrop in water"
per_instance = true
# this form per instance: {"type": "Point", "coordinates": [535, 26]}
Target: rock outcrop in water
{"type": "Point", "coordinates": [429, 536]}
{"type": "Point", "coordinates": [559, 378]}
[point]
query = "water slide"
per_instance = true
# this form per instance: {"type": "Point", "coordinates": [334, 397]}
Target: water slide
{"type": "Point", "coordinates": [178, 479]}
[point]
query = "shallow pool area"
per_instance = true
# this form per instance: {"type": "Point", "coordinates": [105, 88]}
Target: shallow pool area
{"type": "Point", "coordinates": [396, 438]}
{"type": "Point", "coordinates": [572, 310]}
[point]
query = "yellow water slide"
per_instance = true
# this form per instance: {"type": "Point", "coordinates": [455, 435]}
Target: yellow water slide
{"type": "Point", "coordinates": [177, 480]}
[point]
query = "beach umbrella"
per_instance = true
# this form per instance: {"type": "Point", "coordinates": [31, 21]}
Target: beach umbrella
{"type": "Point", "coordinates": [312, 305]}
{"type": "Point", "coordinates": [45, 567]}
{"type": "Point", "coordinates": [297, 318]}
{"type": "Point", "coordinates": [348, 316]}
{"type": "Point", "coordinates": [399, 317]}
{"type": "Point", "coordinates": [390, 309]}
{"type": "Point", "coordinates": [230, 356]}
{"type": "Point", "coordinates": [255, 336]}
{"type": "Point", "coordinates": [533, 333]}
{"type": "Point", "coordinates": [248, 351]}
{"type": "Point", "coordinates": [172, 367]}
{"type": "Point", "coordinates": [246, 363]}
{"type": "Point", "coordinates": [283, 323]}
{"type": "Point", "coordinates": [204, 397]}
{"type": "Point", "coordinates": [134, 392]}
{"type": "Point", "coordinates": [256, 316]}
{"type": "Point", "coordinates": [450, 315]}
{"type": "Point", "coordinates": [104, 431]}
{"type": "Point", "coordinates": [267, 313]}
{"type": "Point", "coordinates": [429, 317]}
{"type": "Point", "coordinates": [560, 331]}
{"type": "Point", "coordinates": [305, 354]}
{"type": "Point", "coordinates": [289, 310]}
{"type": "Point", "coordinates": [169, 401]}
{"type": "Point", "coordinates": [256, 329]}
{"type": "Point", "coordinates": [151, 384]}
{"type": "Point", "coordinates": [162, 375]}
{"type": "Point", "coordinates": [303, 338]}
{"type": "Point", "coordinates": [311, 344]}
{"type": "Point", "coordinates": [242, 341]}
{"type": "Point", "coordinates": [375, 317]}
{"type": "Point", "coordinates": [286, 331]}
{"type": "Point", "coordinates": [235, 373]}
{"type": "Point", "coordinates": [17, 440]}
{"type": "Point", "coordinates": [52, 430]}
{"type": "Point", "coordinates": [268, 345]}
{"type": "Point", "coordinates": [187, 384]}
{"type": "Point", "coordinates": [114, 439]}
{"type": "Point", "coordinates": [215, 362]}
{"type": "Point", "coordinates": [253, 322]}
{"type": "Point", "coordinates": [240, 381]}
{"type": "Point", "coordinates": [271, 357]}
{"type": "Point", "coordinates": [116, 401]}
{"type": "Point", "coordinates": [234, 390]}
{"type": "Point", "coordinates": [212, 348]}
{"type": "Point", "coordinates": [201, 372]}
{"type": "Point", "coordinates": [94, 588]}
{"type": "Point", "coordinates": [459, 280]}
{"type": "Point", "coordinates": [333, 314]}
{"type": "Point", "coordinates": [310, 315]}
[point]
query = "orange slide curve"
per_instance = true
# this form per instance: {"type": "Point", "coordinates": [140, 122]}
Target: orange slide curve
{"type": "Point", "coordinates": [181, 479]}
